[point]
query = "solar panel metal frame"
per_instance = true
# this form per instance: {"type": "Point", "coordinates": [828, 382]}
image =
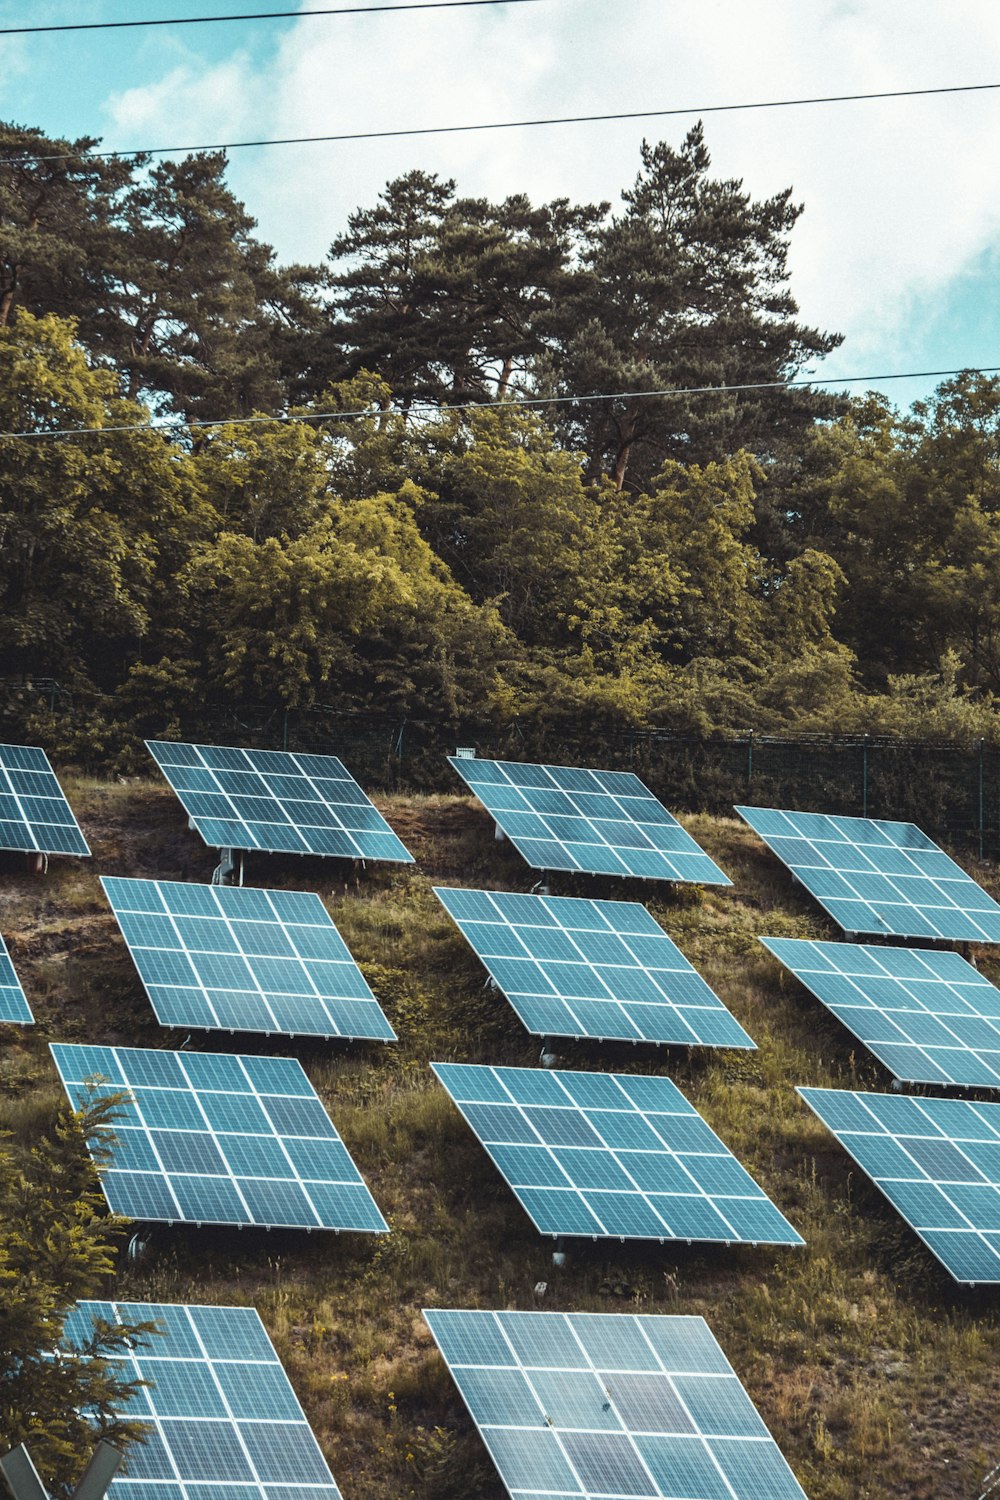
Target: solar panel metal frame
{"type": "Point", "coordinates": [216, 783]}
{"type": "Point", "coordinates": [921, 1024]}
{"type": "Point", "coordinates": [14, 1007]}
{"type": "Point", "coordinates": [215, 1138]}
{"type": "Point", "coordinates": [889, 885]}
{"type": "Point", "coordinates": [938, 1163]}
{"type": "Point", "coordinates": [222, 1413]}
{"type": "Point", "coordinates": [600, 969]}
{"type": "Point", "coordinates": [250, 943]}
{"type": "Point", "coordinates": [609, 1404]}
{"type": "Point", "coordinates": [28, 789]}
{"type": "Point", "coordinates": [611, 1156]}
{"type": "Point", "coordinates": [545, 810]}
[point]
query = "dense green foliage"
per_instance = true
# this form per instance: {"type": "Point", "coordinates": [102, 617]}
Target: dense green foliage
{"type": "Point", "coordinates": [777, 559]}
{"type": "Point", "coordinates": [57, 1247]}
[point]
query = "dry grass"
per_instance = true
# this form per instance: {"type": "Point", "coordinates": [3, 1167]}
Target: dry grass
{"type": "Point", "coordinates": [876, 1374]}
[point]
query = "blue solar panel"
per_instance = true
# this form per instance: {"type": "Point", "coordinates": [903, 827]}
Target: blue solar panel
{"type": "Point", "coordinates": [13, 1003]}
{"type": "Point", "coordinates": [599, 1405]}
{"type": "Point", "coordinates": [888, 879]}
{"type": "Point", "coordinates": [929, 1016]}
{"type": "Point", "coordinates": [572, 967]}
{"type": "Point", "coordinates": [612, 1156]}
{"type": "Point", "coordinates": [222, 1421]}
{"type": "Point", "coordinates": [209, 1138]}
{"type": "Point", "coordinates": [237, 959]}
{"type": "Point", "coordinates": [938, 1163]}
{"type": "Point", "coordinates": [277, 801]}
{"type": "Point", "coordinates": [34, 814]}
{"type": "Point", "coordinates": [601, 822]}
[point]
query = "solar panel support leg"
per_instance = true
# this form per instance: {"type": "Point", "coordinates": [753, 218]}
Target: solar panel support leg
{"type": "Point", "coordinates": [560, 1255]}
{"type": "Point", "coordinates": [229, 870]}
{"type": "Point", "coordinates": [38, 863]}
{"type": "Point", "coordinates": [548, 1057]}
{"type": "Point", "coordinates": [499, 834]}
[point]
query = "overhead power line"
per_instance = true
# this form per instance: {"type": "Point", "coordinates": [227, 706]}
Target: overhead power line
{"type": "Point", "coordinates": [172, 424]}
{"type": "Point", "coordinates": [419, 130]}
{"type": "Point", "coordinates": [258, 15]}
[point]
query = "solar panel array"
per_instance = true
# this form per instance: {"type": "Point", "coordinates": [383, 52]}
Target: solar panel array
{"type": "Point", "coordinates": [276, 801]}
{"type": "Point", "coordinates": [610, 1405]}
{"type": "Point", "coordinates": [237, 959]}
{"type": "Point", "coordinates": [884, 878]}
{"type": "Point", "coordinates": [938, 1163]}
{"type": "Point", "coordinates": [601, 822]}
{"type": "Point", "coordinates": [34, 814]}
{"type": "Point", "coordinates": [608, 1155]}
{"type": "Point", "coordinates": [222, 1420]}
{"type": "Point", "coordinates": [572, 967]}
{"type": "Point", "coordinates": [929, 1016]}
{"type": "Point", "coordinates": [212, 1138]}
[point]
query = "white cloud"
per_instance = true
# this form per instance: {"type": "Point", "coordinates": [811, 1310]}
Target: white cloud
{"type": "Point", "coordinates": [897, 193]}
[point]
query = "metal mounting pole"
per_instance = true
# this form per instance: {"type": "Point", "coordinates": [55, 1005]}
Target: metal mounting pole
{"type": "Point", "coordinates": [24, 1484]}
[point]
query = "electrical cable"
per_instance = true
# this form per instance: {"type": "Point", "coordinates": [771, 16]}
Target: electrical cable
{"type": "Point", "coordinates": [259, 15]}
{"type": "Point", "coordinates": [384, 135]}
{"type": "Point", "coordinates": [170, 424]}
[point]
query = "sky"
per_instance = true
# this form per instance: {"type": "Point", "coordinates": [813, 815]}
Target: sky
{"type": "Point", "coordinates": [898, 247]}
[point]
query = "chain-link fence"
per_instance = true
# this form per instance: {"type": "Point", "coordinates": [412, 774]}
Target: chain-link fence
{"type": "Point", "coordinates": [952, 790]}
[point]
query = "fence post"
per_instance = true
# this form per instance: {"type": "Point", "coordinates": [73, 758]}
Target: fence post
{"type": "Point", "coordinates": [864, 778]}
{"type": "Point", "coordinates": [982, 798]}
{"type": "Point", "coordinates": [749, 762]}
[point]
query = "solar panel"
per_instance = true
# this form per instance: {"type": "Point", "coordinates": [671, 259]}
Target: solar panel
{"type": "Point", "coordinates": [13, 1002]}
{"type": "Point", "coordinates": [277, 801]}
{"type": "Point", "coordinates": [237, 959]}
{"type": "Point", "coordinates": [34, 814]}
{"type": "Point", "coordinates": [938, 1163]}
{"type": "Point", "coordinates": [209, 1138]}
{"type": "Point", "coordinates": [222, 1420]}
{"type": "Point", "coordinates": [888, 879]}
{"type": "Point", "coordinates": [572, 967]}
{"type": "Point", "coordinates": [610, 1405]}
{"type": "Point", "coordinates": [929, 1016]}
{"type": "Point", "coordinates": [601, 822]}
{"type": "Point", "coordinates": [611, 1156]}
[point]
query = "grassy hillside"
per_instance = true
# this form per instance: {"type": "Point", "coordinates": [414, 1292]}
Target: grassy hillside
{"type": "Point", "coordinates": [877, 1376]}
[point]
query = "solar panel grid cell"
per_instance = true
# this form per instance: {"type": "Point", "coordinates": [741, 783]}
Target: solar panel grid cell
{"type": "Point", "coordinates": [13, 1001]}
{"type": "Point", "coordinates": [223, 1420]}
{"type": "Point", "coordinates": [34, 814]}
{"type": "Point", "coordinates": [216, 1138]}
{"type": "Point", "coordinates": [601, 822]}
{"type": "Point", "coordinates": [929, 1016]}
{"type": "Point", "coordinates": [879, 877]}
{"type": "Point", "coordinates": [610, 1405]}
{"type": "Point", "coordinates": [611, 1156]}
{"type": "Point", "coordinates": [572, 967]}
{"type": "Point", "coordinates": [938, 1163]}
{"type": "Point", "coordinates": [276, 801]}
{"type": "Point", "coordinates": [243, 960]}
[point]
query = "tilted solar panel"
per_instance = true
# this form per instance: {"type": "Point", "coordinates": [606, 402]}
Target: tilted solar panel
{"type": "Point", "coordinates": [34, 814]}
{"type": "Point", "coordinates": [211, 1138]}
{"type": "Point", "coordinates": [277, 801]}
{"type": "Point", "coordinates": [612, 1156]}
{"type": "Point", "coordinates": [13, 1001]}
{"type": "Point", "coordinates": [938, 1163]}
{"type": "Point", "coordinates": [600, 822]}
{"type": "Point", "coordinates": [620, 1405]}
{"type": "Point", "coordinates": [572, 967]}
{"type": "Point", "coordinates": [929, 1016]}
{"type": "Point", "coordinates": [223, 1422]}
{"type": "Point", "coordinates": [883, 878]}
{"type": "Point", "coordinates": [240, 959]}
